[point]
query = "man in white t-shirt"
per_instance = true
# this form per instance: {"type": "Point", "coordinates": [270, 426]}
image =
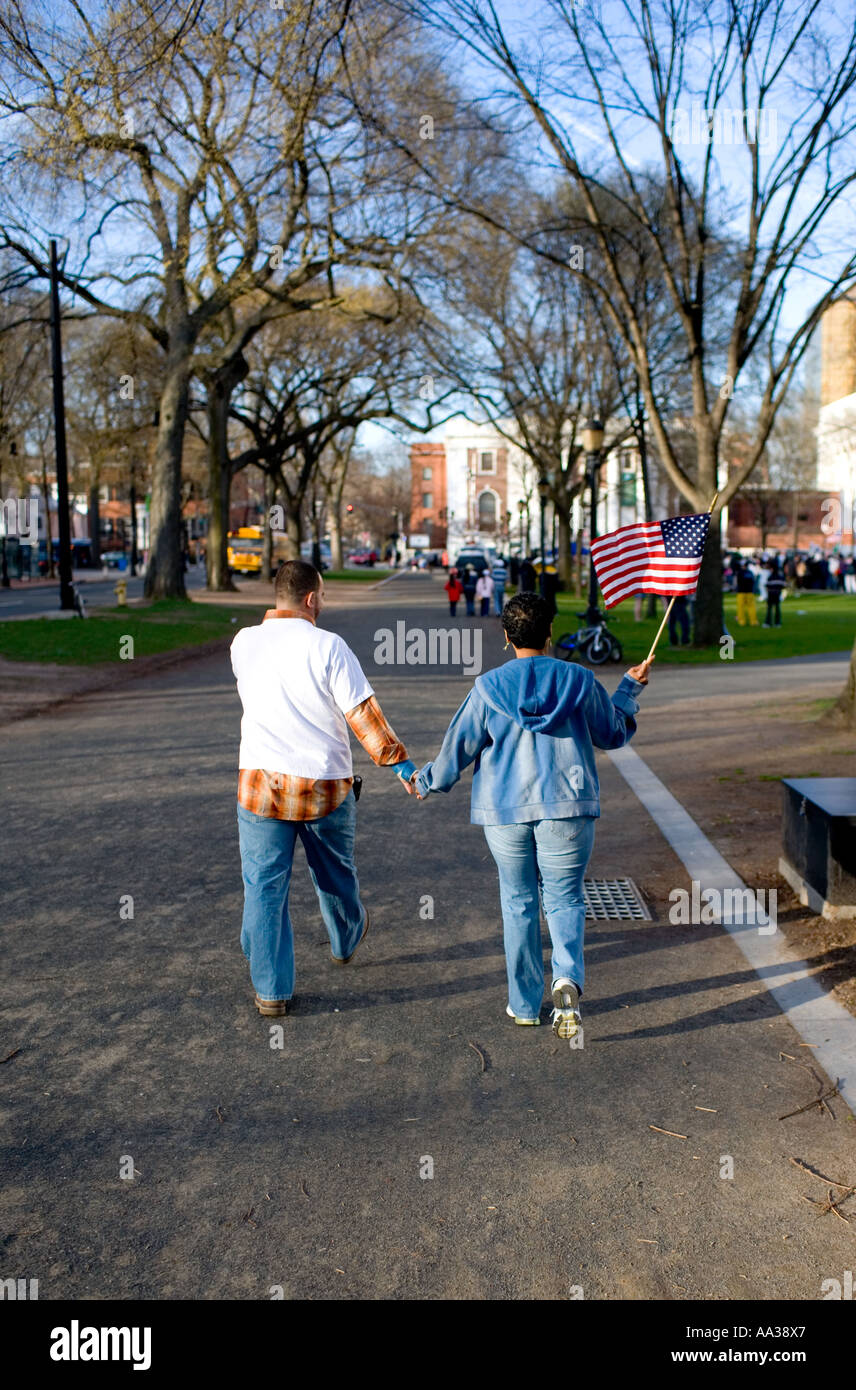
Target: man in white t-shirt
{"type": "Point", "coordinates": [302, 689]}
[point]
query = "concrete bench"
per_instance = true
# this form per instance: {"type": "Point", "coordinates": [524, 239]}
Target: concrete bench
{"type": "Point", "coordinates": [819, 842]}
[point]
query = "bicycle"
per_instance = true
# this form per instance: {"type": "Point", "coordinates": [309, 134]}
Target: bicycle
{"type": "Point", "coordinates": [593, 643]}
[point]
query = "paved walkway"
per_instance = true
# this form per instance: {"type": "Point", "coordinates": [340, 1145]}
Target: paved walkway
{"type": "Point", "coordinates": [304, 1166]}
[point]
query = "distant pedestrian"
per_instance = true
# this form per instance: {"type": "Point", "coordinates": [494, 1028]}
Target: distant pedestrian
{"type": "Point", "coordinates": [550, 587]}
{"type": "Point", "coordinates": [499, 575]}
{"type": "Point", "coordinates": [514, 570]}
{"type": "Point", "coordinates": [746, 610]}
{"type": "Point", "coordinates": [679, 617]}
{"type": "Point", "coordinates": [468, 580]}
{"type": "Point", "coordinates": [454, 589]}
{"type": "Point", "coordinates": [484, 592]}
{"type": "Point", "coordinates": [775, 585]}
{"type": "Point", "coordinates": [528, 578]}
{"type": "Point", "coordinates": [850, 575]}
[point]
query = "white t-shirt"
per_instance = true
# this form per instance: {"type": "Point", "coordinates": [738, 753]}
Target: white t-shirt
{"type": "Point", "coordinates": [296, 683]}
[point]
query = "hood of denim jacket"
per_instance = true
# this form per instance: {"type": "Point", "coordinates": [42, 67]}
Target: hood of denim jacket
{"type": "Point", "coordinates": [539, 693]}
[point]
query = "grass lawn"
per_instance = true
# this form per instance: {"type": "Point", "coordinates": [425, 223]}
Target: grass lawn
{"type": "Point", "coordinates": [812, 622]}
{"type": "Point", "coordinates": [159, 627]}
{"type": "Point", "coordinates": [361, 575]}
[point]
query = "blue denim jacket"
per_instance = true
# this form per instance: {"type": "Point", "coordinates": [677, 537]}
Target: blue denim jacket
{"type": "Point", "coordinates": [531, 727]}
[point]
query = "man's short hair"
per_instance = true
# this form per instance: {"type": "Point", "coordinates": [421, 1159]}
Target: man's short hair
{"type": "Point", "coordinates": [526, 620]}
{"type": "Point", "coordinates": [294, 580]}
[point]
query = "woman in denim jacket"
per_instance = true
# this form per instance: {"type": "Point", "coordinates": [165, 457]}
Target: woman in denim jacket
{"type": "Point", "coordinates": [531, 727]}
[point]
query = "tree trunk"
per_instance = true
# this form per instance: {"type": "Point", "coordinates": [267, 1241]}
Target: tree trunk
{"type": "Point", "coordinates": [293, 533]}
{"type": "Point", "coordinates": [796, 517]}
{"type": "Point", "coordinates": [164, 577]}
{"type": "Point", "coordinates": [48, 528]}
{"type": "Point", "coordinates": [218, 577]}
{"type": "Point", "coordinates": [267, 533]}
{"type": "Point", "coordinates": [94, 523]}
{"type": "Point", "coordinates": [566, 562]}
{"type": "Point", "coordinates": [843, 712]}
{"type": "Point", "coordinates": [709, 619]}
{"type": "Point", "coordinates": [578, 566]}
{"type": "Point", "coordinates": [219, 386]}
{"type": "Point", "coordinates": [336, 560]}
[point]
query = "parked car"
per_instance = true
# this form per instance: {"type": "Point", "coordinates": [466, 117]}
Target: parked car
{"type": "Point", "coordinates": [363, 557]}
{"type": "Point", "coordinates": [306, 551]}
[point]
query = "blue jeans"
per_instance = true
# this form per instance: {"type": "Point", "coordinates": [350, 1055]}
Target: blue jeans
{"type": "Point", "coordinates": [553, 854]}
{"type": "Point", "coordinates": [498, 598]}
{"type": "Point", "coordinates": [267, 854]}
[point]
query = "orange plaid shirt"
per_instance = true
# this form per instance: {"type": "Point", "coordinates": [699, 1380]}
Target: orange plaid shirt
{"type": "Point", "coordinates": [282, 796]}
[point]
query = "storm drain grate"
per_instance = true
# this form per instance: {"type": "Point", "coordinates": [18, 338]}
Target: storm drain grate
{"type": "Point", "coordinates": [614, 899]}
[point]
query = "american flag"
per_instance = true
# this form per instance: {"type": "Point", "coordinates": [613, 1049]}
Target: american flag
{"type": "Point", "coordinates": [651, 557]}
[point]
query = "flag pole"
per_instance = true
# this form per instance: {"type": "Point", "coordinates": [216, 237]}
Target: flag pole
{"type": "Point", "coordinates": [650, 655]}
{"type": "Point", "coordinates": [660, 633]}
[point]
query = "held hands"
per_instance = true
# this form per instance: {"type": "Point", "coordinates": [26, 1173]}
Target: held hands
{"type": "Point", "coordinates": [640, 672]}
{"type": "Point", "coordinates": [410, 787]}
{"type": "Point", "coordinates": [407, 777]}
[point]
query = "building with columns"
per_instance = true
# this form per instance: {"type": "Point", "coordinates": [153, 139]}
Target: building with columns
{"type": "Point", "coordinates": [473, 485]}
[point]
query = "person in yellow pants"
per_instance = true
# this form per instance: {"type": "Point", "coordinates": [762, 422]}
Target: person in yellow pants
{"type": "Point", "coordinates": [746, 610]}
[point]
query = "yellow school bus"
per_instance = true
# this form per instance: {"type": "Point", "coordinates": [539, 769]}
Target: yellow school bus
{"type": "Point", "coordinates": [244, 550]}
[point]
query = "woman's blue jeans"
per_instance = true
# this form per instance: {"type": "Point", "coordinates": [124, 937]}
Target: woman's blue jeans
{"type": "Point", "coordinates": [552, 854]}
{"type": "Point", "coordinates": [267, 854]}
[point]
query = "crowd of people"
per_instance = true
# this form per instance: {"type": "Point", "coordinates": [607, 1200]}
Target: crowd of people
{"type": "Point", "coordinates": [487, 588]}
{"type": "Point", "coordinates": [800, 569]}
{"type": "Point", "coordinates": [760, 581]}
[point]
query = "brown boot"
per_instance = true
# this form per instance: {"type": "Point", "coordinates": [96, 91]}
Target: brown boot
{"type": "Point", "coordinates": [272, 1008]}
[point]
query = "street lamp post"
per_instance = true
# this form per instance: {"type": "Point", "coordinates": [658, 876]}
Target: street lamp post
{"type": "Point", "coordinates": [592, 442]}
{"type": "Point", "coordinates": [543, 494]}
{"type": "Point", "coordinates": [66, 587]}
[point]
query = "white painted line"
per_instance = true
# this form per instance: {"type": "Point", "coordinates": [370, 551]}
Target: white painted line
{"type": "Point", "coordinates": [818, 1018]}
{"type": "Point", "coordinates": [396, 574]}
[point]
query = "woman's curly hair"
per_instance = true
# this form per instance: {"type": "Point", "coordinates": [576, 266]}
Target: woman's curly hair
{"type": "Point", "coordinates": [526, 620]}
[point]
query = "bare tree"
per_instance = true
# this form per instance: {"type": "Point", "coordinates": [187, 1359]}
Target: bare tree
{"type": "Point", "coordinates": [747, 108]}
{"type": "Point", "coordinates": [23, 372]}
{"type": "Point", "coordinates": [312, 380]}
{"type": "Point", "coordinates": [110, 412]}
{"type": "Point", "coordinates": [216, 143]}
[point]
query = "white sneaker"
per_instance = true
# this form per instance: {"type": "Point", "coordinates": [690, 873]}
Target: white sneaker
{"type": "Point", "coordinates": [566, 1009]}
{"type": "Point", "coordinates": [526, 1022]}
